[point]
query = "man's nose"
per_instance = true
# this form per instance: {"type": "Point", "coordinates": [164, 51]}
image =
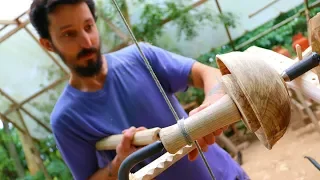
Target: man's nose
{"type": "Point", "coordinates": [85, 41]}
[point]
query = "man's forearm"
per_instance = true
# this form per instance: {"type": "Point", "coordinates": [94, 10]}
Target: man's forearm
{"type": "Point", "coordinates": [206, 78]}
{"type": "Point", "coordinates": [110, 172]}
{"type": "Point", "coordinates": [211, 82]}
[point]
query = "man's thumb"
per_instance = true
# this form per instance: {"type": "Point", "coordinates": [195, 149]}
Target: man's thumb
{"type": "Point", "coordinates": [193, 111]}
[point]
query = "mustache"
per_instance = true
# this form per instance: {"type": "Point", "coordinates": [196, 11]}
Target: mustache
{"type": "Point", "coordinates": [85, 52]}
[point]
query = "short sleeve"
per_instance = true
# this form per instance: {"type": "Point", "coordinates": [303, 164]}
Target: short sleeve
{"type": "Point", "coordinates": [171, 69]}
{"type": "Point", "coordinates": [78, 154]}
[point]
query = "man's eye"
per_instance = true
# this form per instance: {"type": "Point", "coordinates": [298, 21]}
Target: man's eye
{"type": "Point", "coordinates": [89, 27]}
{"type": "Point", "coordinates": [68, 34]}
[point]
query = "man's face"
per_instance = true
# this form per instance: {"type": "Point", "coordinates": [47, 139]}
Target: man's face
{"type": "Point", "coordinates": [75, 38]}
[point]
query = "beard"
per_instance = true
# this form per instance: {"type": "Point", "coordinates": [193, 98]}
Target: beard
{"type": "Point", "coordinates": [92, 68]}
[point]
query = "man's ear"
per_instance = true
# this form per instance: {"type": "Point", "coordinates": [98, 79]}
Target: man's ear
{"type": "Point", "coordinates": [46, 44]}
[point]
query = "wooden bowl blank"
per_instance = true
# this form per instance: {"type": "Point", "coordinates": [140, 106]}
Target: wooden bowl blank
{"type": "Point", "coordinates": [261, 94]}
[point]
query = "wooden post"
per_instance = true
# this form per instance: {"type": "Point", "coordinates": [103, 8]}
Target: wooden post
{"type": "Point", "coordinates": [32, 154]}
{"type": "Point", "coordinates": [12, 150]}
{"type": "Point", "coordinates": [314, 38]}
{"type": "Point", "coordinates": [301, 98]}
{"type": "Point", "coordinates": [225, 27]}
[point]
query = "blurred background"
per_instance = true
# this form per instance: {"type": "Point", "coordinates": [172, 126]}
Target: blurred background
{"type": "Point", "coordinates": [31, 79]}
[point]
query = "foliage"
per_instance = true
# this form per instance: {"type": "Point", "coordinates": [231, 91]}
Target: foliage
{"type": "Point", "coordinates": [186, 20]}
{"type": "Point", "coordinates": [49, 153]}
{"type": "Point", "coordinates": [7, 168]}
{"type": "Point", "coordinates": [155, 15]}
{"type": "Point", "coordinates": [282, 35]}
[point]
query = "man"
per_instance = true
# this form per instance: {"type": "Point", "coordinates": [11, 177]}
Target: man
{"type": "Point", "coordinates": [115, 93]}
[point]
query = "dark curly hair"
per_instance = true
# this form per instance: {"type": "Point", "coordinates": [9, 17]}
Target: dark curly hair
{"type": "Point", "coordinates": [40, 9]}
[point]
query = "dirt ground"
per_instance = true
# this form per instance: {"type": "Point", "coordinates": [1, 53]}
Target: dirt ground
{"type": "Point", "coordinates": [286, 160]}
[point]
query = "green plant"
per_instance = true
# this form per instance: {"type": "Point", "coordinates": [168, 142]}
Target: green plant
{"type": "Point", "coordinates": [153, 18]}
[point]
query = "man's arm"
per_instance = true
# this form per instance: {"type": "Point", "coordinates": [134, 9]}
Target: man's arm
{"type": "Point", "coordinates": [110, 172]}
{"type": "Point", "coordinates": [80, 156]}
{"type": "Point", "coordinates": [206, 78]}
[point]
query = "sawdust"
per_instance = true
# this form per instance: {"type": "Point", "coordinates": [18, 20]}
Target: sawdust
{"type": "Point", "coordinates": [286, 159]}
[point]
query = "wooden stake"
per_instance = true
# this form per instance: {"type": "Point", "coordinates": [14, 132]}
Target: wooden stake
{"type": "Point", "coordinates": [300, 96]}
{"type": "Point", "coordinates": [32, 154]}
{"type": "Point", "coordinates": [314, 38]}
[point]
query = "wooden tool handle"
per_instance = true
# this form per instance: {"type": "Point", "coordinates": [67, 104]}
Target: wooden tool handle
{"type": "Point", "coordinates": [218, 115]}
{"type": "Point", "coordinates": [141, 138]}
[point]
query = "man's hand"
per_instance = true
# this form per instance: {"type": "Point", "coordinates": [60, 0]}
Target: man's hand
{"type": "Point", "coordinates": [204, 142]}
{"type": "Point", "coordinates": [125, 148]}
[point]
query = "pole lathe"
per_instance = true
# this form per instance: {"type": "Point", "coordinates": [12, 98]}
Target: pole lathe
{"type": "Point", "coordinates": [255, 94]}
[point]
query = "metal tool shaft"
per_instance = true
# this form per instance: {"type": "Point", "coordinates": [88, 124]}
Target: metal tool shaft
{"type": "Point", "coordinates": [301, 67]}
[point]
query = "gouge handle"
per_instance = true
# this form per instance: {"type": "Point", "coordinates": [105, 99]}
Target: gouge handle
{"type": "Point", "coordinates": [141, 138]}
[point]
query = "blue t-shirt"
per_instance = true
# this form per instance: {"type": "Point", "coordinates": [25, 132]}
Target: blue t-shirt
{"type": "Point", "coordinates": [128, 98]}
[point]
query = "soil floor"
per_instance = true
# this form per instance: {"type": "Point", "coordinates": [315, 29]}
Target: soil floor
{"type": "Point", "coordinates": [286, 159]}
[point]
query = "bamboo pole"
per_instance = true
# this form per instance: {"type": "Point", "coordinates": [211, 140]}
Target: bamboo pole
{"type": "Point", "coordinates": [10, 33]}
{"type": "Point", "coordinates": [31, 151]}
{"type": "Point", "coordinates": [3, 27]}
{"type": "Point", "coordinates": [21, 129]}
{"type": "Point", "coordinates": [12, 150]}
{"type": "Point", "coordinates": [17, 18]}
{"type": "Point", "coordinates": [51, 86]}
{"type": "Point", "coordinates": [5, 118]}
{"type": "Point", "coordinates": [50, 55]}
{"type": "Point", "coordinates": [117, 31]}
{"type": "Point", "coordinates": [307, 13]}
{"type": "Point", "coordinates": [7, 22]}
{"type": "Point", "coordinates": [225, 26]}
{"type": "Point", "coordinates": [125, 11]}
{"type": "Point", "coordinates": [46, 127]}
{"type": "Point", "coordinates": [260, 35]}
{"type": "Point", "coordinates": [263, 8]}
{"type": "Point", "coordinates": [187, 9]}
